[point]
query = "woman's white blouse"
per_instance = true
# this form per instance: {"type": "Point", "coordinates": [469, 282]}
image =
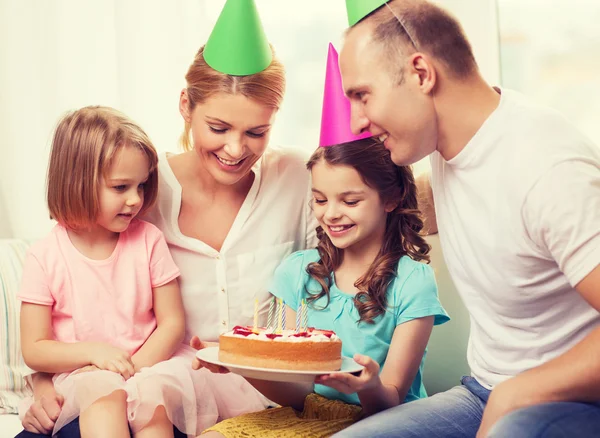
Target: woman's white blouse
{"type": "Point", "coordinates": [275, 219]}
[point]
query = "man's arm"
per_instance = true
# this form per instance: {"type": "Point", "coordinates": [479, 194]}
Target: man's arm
{"type": "Point", "coordinates": [572, 376]}
{"type": "Point", "coordinates": [426, 204]}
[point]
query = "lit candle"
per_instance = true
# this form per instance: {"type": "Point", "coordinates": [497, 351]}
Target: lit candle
{"type": "Point", "coordinates": [270, 316]}
{"type": "Point", "coordinates": [256, 314]}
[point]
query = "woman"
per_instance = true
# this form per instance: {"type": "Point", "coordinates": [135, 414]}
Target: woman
{"type": "Point", "coordinates": [230, 208]}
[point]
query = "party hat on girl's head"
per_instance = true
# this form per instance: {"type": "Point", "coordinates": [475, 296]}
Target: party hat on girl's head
{"type": "Point", "coordinates": [359, 9]}
{"type": "Point", "coordinates": [238, 45]}
{"type": "Point", "coordinates": [335, 118]}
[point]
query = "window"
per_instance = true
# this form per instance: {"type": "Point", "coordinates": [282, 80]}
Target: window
{"type": "Point", "coordinates": [550, 50]}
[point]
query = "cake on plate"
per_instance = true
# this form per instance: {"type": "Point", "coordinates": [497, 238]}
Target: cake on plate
{"type": "Point", "coordinates": [310, 350]}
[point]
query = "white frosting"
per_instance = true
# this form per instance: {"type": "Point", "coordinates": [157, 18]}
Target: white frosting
{"type": "Point", "coordinates": [286, 336]}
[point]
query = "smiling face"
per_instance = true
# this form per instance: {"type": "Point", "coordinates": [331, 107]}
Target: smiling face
{"type": "Point", "coordinates": [349, 211]}
{"type": "Point", "coordinates": [121, 189]}
{"type": "Point", "coordinates": [230, 132]}
{"type": "Point", "coordinates": [397, 108]}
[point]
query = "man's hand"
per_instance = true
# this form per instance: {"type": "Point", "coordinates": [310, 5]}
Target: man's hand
{"type": "Point", "coordinates": [197, 344]}
{"type": "Point", "coordinates": [348, 383]}
{"type": "Point", "coordinates": [42, 414]}
{"type": "Point", "coordinates": [510, 395]}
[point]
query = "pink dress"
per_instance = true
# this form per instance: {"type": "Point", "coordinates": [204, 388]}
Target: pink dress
{"type": "Point", "coordinates": [111, 301]}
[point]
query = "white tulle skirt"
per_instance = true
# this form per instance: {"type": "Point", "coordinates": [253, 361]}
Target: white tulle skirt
{"type": "Point", "coordinates": [193, 400]}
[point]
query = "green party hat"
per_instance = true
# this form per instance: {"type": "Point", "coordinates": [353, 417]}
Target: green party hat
{"type": "Point", "coordinates": [359, 9]}
{"type": "Point", "coordinates": [238, 45]}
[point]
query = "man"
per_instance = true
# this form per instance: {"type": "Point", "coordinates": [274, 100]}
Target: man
{"type": "Point", "coordinates": [516, 193]}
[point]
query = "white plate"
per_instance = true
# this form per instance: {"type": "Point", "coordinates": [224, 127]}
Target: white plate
{"type": "Point", "coordinates": [211, 355]}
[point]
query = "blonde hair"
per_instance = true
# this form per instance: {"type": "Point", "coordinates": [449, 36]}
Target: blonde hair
{"type": "Point", "coordinates": [266, 87]}
{"type": "Point", "coordinates": [84, 146]}
{"type": "Point", "coordinates": [422, 26]}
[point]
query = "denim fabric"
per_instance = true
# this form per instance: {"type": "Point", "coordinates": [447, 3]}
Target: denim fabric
{"type": "Point", "coordinates": [551, 420]}
{"type": "Point", "coordinates": [457, 414]}
{"type": "Point", "coordinates": [71, 430]}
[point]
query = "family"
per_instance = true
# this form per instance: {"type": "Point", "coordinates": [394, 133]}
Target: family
{"type": "Point", "coordinates": [153, 257]}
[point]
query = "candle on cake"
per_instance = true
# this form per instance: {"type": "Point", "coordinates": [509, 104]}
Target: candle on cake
{"type": "Point", "coordinates": [255, 315]}
{"type": "Point", "coordinates": [279, 315]}
{"type": "Point", "coordinates": [304, 316]}
{"type": "Point", "coordinates": [270, 315]}
{"type": "Point", "coordinates": [299, 318]}
{"type": "Point", "coordinates": [283, 313]}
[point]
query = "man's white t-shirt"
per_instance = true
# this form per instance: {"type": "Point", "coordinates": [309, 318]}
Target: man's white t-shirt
{"type": "Point", "coordinates": [275, 219]}
{"type": "Point", "coordinates": [518, 213]}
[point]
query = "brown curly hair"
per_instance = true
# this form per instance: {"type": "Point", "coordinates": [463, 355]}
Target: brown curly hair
{"type": "Point", "coordinates": [395, 184]}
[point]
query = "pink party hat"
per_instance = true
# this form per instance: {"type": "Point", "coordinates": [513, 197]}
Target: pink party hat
{"type": "Point", "coordinates": [335, 118]}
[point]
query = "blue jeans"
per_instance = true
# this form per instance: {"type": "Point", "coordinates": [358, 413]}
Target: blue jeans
{"type": "Point", "coordinates": [71, 430]}
{"type": "Point", "coordinates": [457, 414]}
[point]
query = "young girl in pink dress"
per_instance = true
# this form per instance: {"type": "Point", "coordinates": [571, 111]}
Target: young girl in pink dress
{"type": "Point", "coordinates": [101, 307]}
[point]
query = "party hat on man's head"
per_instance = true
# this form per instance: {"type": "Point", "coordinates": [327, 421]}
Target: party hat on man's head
{"type": "Point", "coordinates": [237, 45]}
{"type": "Point", "coordinates": [359, 9]}
{"type": "Point", "coordinates": [335, 118]}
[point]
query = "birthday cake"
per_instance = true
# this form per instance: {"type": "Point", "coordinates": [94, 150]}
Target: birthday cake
{"type": "Point", "coordinates": [312, 349]}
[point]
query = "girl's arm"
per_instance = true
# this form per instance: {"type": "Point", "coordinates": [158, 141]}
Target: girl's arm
{"type": "Point", "coordinates": [170, 330]}
{"type": "Point", "coordinates": [382, 391]}
{"type": "Point", "coordinates": [42, 353]}
{"type": "Point", "coordinates": [401, 366]}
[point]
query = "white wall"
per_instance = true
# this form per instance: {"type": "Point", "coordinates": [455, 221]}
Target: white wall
{"type": "Point", "coordinates": [63, 54]}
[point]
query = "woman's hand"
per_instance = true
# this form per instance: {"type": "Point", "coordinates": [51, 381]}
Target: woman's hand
{"type": "Point", "coordinates": [42, 414]}
{"type": "Point", "coordinates": [46, 406]}
{"type": "Point", "coordinates": [197, 344]}
{"type": "Point", "coordinates": [348, 383]}
{"type": "Point", "coordinates": [106, 357]}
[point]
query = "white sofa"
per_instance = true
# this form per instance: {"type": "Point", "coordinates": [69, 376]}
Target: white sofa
{"type": "Point", "coordinates": [445, 364]}
{"type": "Point", "coordinates": [9, 425]}
{"type": "Point", "coordinates": [12, 367]}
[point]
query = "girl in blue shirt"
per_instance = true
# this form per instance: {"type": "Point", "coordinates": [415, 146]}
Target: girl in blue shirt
{"type": "Point", "coordinates": [368, 281]}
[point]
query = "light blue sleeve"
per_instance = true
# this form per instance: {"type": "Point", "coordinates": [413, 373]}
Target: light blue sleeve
{"type": "Point", "coordinates": [417, 297]}
{"type": "Point", "coordinates": [287, 282]}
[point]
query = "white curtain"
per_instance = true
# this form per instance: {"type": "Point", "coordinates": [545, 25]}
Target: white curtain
{"type": "Point", "coordinates": [57, 55]}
